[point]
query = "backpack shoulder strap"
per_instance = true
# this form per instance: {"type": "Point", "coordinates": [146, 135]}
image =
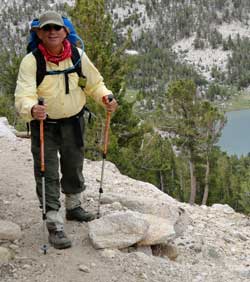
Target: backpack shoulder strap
{"type": "Point", "coordinates": [76, 60]}
{"type": "Point", "coordinates": [41, 66]}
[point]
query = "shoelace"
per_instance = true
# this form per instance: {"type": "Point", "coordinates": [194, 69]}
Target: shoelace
{"type": "Point", "coordinates": [60, 234]}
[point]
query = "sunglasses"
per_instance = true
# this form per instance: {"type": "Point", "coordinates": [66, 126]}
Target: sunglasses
{"type": "Point", "coordinates": [49, 27]}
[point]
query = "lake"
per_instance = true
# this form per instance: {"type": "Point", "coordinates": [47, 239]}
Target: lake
{"type": "Point", "coordinates": [235, 137]}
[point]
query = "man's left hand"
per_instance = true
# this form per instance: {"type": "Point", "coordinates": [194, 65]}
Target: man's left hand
{"type": "Point", "coordinates": [110, 103]}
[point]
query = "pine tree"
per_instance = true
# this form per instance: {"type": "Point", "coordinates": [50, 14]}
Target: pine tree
{"type": "Point", "coordinates": [196, 126]}
{"type": "Point", "coordinates": [212, 123]}
{"type": "Point", "coordinates": [8, 75]}
{"type": "Point", "coordinates": [94, 25]}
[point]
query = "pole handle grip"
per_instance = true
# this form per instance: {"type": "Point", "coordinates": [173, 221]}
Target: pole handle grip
{"type": "Point", "coordinates": [110, 97]}
{"type": "Point", "coordinates": [40, 101]}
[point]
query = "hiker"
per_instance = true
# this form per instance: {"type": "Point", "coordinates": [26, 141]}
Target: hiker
{"type": "Point", "coordinates": [62, 113]}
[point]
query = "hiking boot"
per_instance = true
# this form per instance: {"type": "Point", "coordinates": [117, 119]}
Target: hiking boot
{"type": "Point", "coordinates": [59, 240]}
{"type": "Point", "coordinates": [79, 214]}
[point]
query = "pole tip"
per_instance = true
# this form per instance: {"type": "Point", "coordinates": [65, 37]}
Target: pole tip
{"type": "Point", "coordinates": [44, 248]}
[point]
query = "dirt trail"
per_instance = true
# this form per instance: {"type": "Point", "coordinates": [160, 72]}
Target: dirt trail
{"type": "Point", "coordinates": [18, 203]}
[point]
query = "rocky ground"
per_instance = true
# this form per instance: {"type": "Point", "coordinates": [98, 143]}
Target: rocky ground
{"type": "Point", "coordinates": [210, 243]}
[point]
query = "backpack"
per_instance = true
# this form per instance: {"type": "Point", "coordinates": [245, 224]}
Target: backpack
{"type": "Point", "coordinates": [40, 61]}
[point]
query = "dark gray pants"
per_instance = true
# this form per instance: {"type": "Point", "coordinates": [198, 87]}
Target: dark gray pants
{"type": "Point", "coordinates": [60, 139]}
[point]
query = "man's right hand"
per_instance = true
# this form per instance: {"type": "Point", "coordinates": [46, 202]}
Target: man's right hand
{"type": "Point", "coordinates": [38, 112]}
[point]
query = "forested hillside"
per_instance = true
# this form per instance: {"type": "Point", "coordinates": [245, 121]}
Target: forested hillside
{"type": "Point", "coordinates": [171, 104]}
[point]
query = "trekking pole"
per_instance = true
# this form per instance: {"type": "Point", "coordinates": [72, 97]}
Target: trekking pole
{"type": "Point", "coordinates": [105, 150]}
{"type": "Point", "coordinates": [42, 171]}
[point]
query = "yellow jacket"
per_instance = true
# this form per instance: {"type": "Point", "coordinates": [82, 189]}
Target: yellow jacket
{"type": "Point", "coordinates": [52, 88]}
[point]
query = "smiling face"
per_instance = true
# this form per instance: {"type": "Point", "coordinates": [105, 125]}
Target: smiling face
{"type": "Point", "coordinates": [52, 37]}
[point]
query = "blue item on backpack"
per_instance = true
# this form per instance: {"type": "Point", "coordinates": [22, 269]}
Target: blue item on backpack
{"type": "Point", "coordinates": [73, 37]}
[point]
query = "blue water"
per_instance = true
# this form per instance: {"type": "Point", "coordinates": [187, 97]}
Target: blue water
{"type": "Point", "coordinates": [235, 139]}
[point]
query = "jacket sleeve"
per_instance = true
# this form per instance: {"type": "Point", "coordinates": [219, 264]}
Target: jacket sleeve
{"type": "Point", "coordinates": [95, 86]}
{"type": "Point", "coordinates": [26, 90]}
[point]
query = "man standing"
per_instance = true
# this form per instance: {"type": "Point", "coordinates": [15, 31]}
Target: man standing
{"type": "Point", "coordinates": [63, 121]}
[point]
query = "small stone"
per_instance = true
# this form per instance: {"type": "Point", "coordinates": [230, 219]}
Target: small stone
{"type": "Point", "coordinates": [245, 273]}
{"type": "Point", "coordinates": [84, 268]}
{"type": "Point", "coordinates": [212, 252]}
{"type": "Point", "coordinates": [228, 240]}
{"type": "Point", "coordinates": [116, 206]}
{"type": "Point", "coordinates": [108, 253]}
{"type": "Point", "coordinates": [13, 246]}
{"type": "Point", "coordinates": [26, 266]}
{"type": "Point", "coordinates": [5, 255]}
{"type": "Point", "coordinates": [242, 237]}
{"type": "Point", "coordinates": [154, 273]}
{"type": "Point", "coordinates": [144, 276]}
{"type": "Point", "coordinates": [233, 250]}
{"type": "Point", "coordinates": [18, 194]}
